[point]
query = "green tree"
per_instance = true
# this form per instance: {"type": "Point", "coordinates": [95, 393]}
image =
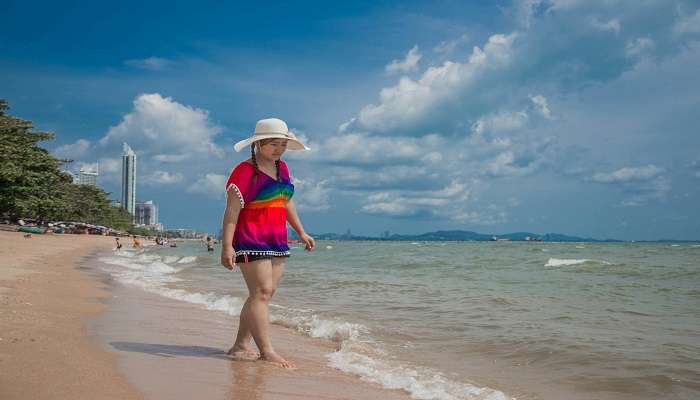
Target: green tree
{"type": "Point", "coordinates": [33, 186]}
{"type": "Point", "coordinates": [92, 205]}
{"type": "Point", "coordinates": [29, 175]}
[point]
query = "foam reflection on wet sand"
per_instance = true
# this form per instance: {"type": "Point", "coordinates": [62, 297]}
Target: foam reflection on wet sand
{"type": "Point", "coordinates": [175, 350]}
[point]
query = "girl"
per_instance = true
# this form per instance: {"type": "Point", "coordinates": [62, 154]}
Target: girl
{"type": "Point", "coordinates": [259, 204]}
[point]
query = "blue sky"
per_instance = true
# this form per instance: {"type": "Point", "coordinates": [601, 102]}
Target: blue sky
{"type": "Point", "coordinates": [570, 116]}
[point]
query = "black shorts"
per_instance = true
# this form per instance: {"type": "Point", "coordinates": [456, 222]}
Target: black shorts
{"type": "Point", "coordinates": [253, 257]}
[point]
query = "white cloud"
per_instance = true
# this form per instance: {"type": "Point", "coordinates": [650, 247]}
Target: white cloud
{"type": "Point", "coordinates": [345, 125]}
{"type": "Point", "coordinates": [481, 218]}
{"type": "Point", "coordinates": [173, 158]}
{"type": "Point", "coordinates": [162, 178]}
{"type": "Point", "coordinates": [412, 101]}
{"type": "Point", "coordinates": [628, 174]}
{"type": "Point", "coordinates": [161, 125]}
{"type": "Point", "coordinates": [504, 165]}
{"type": "Point", "coordinates": [694, 167]}
{"type": "Point", "coordinates": [150, 63]}
{"type": "Point", "coordinates": [74, 150]}
{"type": "Point", "coordinates": [406, 203]}
{"type": "Point", "coordinates": [651, 191]}
{"type": "Point", "coordinates": [365, 148]}
{"type": "Point", "coordinates": [492, 150]}
{"type": "Point", "coordinates": [500, 122]}
{"type": "Point", "coordinates": [449, 46]}
{"type": "Point", "coordinates": [88, 166]}
{"type": "Point", "coordinates": [565, 4]}
{"type": "Point", "coordinates": [212, 185]}
{"type": "Point", "coordinates": [612, 25]}
{"type": "Point", "coordinates": [441, 172]}
{"type": "Point", "coordinates": [638, 46]}
{"type": "Point", "coordinates": [453, 202]}
{"type": "Point", "coordinates": [640, 184]}
{"type": "Point", "coordinates": [541, 105]}
{"type": "Point", "coordinates": [556, 46]}
{"type": "Point", "coordinates": [408, 64]}
{"type": "Point", "coordinates": [311, 195]}
{"type": "Point", "coordinates": [110, 165]}
{"type": "Point", "coordinates": [688, 24]}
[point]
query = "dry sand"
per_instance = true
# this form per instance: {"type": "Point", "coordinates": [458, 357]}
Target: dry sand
{"type": "Point", "coordinates": [45, 351]}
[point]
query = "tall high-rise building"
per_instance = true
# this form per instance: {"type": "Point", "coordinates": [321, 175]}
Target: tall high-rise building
{"type": "Point", "coordinates": [146, 213]}
{"type": "Point", "coordinates": [87, 175]}
{"type": "Point", "coordinates": [129, 180]}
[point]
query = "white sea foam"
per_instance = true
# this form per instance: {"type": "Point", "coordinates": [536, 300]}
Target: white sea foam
{"type": "Point", "coordinates": [152, 276]}
{"type": "Point", "coordinates": [311, 325]}
{"type": "Point", "coordinates": [359, 353]}
{"type": "Point", "coordinates": [560, 262]}
{"type": "Point", "coordinates": [421, 383]}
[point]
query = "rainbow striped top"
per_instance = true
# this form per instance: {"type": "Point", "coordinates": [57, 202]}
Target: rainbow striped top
{"type": "Point", "coordinates": [261, 228]}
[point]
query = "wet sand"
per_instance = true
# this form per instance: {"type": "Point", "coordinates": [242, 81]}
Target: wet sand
{"type": "Point", "coordinates": [45, 350]}
{"type": "Point", "coordinates": [176, 350]}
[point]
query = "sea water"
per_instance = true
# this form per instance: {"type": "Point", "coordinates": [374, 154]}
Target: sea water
{"type": "Point", "coordinates": [472, 320]}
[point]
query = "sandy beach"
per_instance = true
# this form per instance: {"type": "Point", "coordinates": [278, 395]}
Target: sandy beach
{"type": "Point", "coordinates": [71, 332]}
{"type": "Point", "coordinates": [45, 350]}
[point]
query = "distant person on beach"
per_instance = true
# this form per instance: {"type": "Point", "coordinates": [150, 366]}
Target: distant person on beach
{"type": "Point", "coordinates": [210, 244]}
{"type": "Point", "coordinates": [136, 244]}
{"type": "Point", "coordinates": [119, 245]}
{"type": "Point", "coordinates": [258, 206]}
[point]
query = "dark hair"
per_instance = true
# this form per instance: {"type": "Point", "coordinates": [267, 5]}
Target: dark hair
{"type": "Point", "coordinates": [255, 163]}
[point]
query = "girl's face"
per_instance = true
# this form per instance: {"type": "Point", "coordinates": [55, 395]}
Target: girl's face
{"type": "Point", "coordinates": [272, 149]}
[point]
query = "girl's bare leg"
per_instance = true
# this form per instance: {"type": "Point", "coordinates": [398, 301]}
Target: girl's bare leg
{"type": "Point", "coordinates": [242, 346]}
{"type": "Point", "coordinates": [259, 279]}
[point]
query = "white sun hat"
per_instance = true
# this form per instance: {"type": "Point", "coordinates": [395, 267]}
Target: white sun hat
{"type": "Point", "coordinates": [272, 128]}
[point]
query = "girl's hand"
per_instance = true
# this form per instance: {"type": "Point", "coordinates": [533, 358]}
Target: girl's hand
{"type": "Point", "coordinates": [228, 257]}
{"type": "Point", "coordinates": [309, 242]}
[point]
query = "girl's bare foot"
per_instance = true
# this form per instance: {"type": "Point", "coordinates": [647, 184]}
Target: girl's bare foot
{"type": "Point", "coordinates": [242, 351]}
{"type": "Point", "coordinates": [273, 357]}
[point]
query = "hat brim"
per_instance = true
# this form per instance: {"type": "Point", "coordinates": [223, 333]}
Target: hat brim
{"type": "Point", "coordinates": [292, 144]}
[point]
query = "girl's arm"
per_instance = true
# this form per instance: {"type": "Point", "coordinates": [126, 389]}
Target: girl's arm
{"type": "Point", "coordinates": [295, 222]}
{"type": "Point", "coordinates": [233, 209]}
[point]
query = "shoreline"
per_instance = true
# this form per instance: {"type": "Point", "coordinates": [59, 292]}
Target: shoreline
{"type": "Point", "coordinates": [172, 349]}
{"type": "Point", "coordinates": [45, 349]}
{"type": "Point", "coordinates": [72, 332]}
